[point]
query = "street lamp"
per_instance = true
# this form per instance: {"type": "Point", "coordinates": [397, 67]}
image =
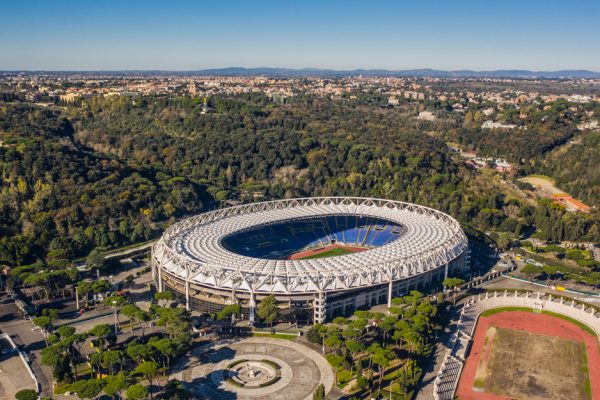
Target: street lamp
{"type": "Point", "coordinates": [114, 303]}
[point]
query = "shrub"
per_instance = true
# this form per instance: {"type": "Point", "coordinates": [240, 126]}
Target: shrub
{"type": "Point", "coordinates": [271, 363]}
{"type": "Point", "coordinates": [576, 254]}
{"type": "Point", "coordinates": [26, 394]}
{"type": "Point", "coordinates": [272, 381]}
{"type": "Point", "coordinates": [234, 383]}
{"type": "Point", "coordinates": [526, 243]}
{"type": "Point", "coordinates": [589, 263]}
{"type": "Point", "coordinates": [344, 376]}
{"type": "Point", "coordinates": [554, 248]}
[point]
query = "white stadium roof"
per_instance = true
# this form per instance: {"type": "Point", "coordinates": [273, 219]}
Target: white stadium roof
{"type": "Point", "coordinates": [192, 249]}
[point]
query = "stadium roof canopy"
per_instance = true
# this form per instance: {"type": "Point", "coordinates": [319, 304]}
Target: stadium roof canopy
{"type": "Point", "coordinates": [192, 249]}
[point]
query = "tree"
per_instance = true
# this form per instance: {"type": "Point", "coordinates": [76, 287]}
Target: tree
{"type": "Point", "coordinates": [26, 394]}
{"type": "Point", "coordinates": [88, 388]}
{"type": "Point", "coordinates": [163, 297]}
{"type": "Point", "coordinates": [177, 325]}
{"type": "Point", "coordinates": [66, 331]}
{"type": "Point", "coordinates": [333, 341]}
{"type": "Point", "coordinates": [531, 271]}
{"type": "Point", "coordinates": [101, 286]}
{"type": "Point", "coordinates": [110, 358]}
{"type": "Point", "coordinates": [453, 283]}
{"type": "Point", "coordinates": [114, 384]}
{"type": "Point", "coordinates": [135, 315]}
{"type": "Point", "coordinates": [139, 351]}
{"type": "Point", "coordinates": [148, 369]}
{"type": "Point", "coordinates": [386, 326]}
{"type": "Point", "coordinates": [55, 357]}
{"type": "Point", "coordinates": [230, 310]}
{"type": "Point", "coordinates": [267, 310]}
{"type": "Point", "coordinates": [316, 333]}
{"type": "Point", "coordinates": [354, 346]}
{"type": "Point", "coordinates": [95, 261]}
{"type": "Point", "coordinates": [319, 393]}
{"type": "Point", "coordinates": [336, 362]}
{"type": "Point", "coordinates": [136, 392]}
{"type": "Point", "coordinates": [382, 359]}
{"type": "Point", "coordinates": [102, 332]}
{"type": "Point", "coordinates": [44, 324]}
{"type": "Point", "coordinates": [167, 350]}
{"type": "Point", "coordinates": [51, 313]}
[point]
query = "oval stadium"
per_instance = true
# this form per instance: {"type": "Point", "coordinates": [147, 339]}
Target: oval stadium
{"type": "Point", "coordinates": [320, 257]}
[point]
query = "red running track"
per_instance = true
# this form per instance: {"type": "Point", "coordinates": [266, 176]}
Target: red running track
{"type": "Point", "coordinates": [541, 324]}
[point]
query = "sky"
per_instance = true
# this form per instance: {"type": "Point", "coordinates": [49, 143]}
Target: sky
{"type": "Point", "coordinates": [402, 34]}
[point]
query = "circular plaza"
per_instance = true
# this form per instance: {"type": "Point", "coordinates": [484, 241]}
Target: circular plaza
{"type": "Point", "coordinates": [255, 368]}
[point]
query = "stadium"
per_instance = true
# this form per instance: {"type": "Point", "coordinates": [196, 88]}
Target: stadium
{"type": "Point", "coordinates": [320, 257]}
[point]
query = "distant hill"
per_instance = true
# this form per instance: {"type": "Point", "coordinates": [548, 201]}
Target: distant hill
{"type": "Point", "coordinates": [285, 72]}
{"type": "Point", "coordinates": [306, 72]}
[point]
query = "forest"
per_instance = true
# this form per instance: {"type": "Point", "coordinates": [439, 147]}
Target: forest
{"type": "Point", "coordinates": [111, 171]}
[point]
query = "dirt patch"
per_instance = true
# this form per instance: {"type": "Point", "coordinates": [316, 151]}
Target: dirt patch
{"type": "Point", "coordinates": [517, 366]}
{"type": "Point", "coordinates": [544, 187]}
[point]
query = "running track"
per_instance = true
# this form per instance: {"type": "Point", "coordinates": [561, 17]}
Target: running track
{"type": "Point", "coordinates": [541, 324]}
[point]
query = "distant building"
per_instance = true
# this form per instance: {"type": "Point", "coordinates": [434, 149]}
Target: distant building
{"type": "Point", "coordinates": [69, 97]}
{"type": "Point", "coordinates": [570, 203]}
{"type": "Point", "coordinates": [488, 111]}
{"type": "Point", "coordinates": [584, 126]}
{"type": "Point", "coordinates": [192, 88]}
{"type": "Point", "coordinates": [426, 116]}
{"type": "Point", "coordinates": [393, 101]}
{"type": "Point", "coordinates": [502, 166]}
{"type": "Point", "coordinates": [497, 125]}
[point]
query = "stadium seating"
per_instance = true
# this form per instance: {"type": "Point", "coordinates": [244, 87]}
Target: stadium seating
{"type": "Point", "coordinates": [281, 239]}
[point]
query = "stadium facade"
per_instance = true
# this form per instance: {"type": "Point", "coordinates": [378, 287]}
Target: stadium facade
{"type": "Point", "coordinates": [243, 254]}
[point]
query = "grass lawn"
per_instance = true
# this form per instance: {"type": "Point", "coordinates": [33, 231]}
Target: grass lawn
{"type": "Point", "coordinates": [329, 253]}
{"type": "Point", "coordinates": [276, 335]}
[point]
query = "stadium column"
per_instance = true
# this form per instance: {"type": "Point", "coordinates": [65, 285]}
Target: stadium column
{"type": "Point", "coordinates": [319, 308]}
{"type": "Point", "coordinates": [160, 282]}
{"type": "Point", "coordinates": [446, 270]}
{"type": "Point", "coordinates": [390, 288]}
{"type": "Point", "coordinates": [252, 305]}
{"type": "Point", "coordinates": [187, 288]}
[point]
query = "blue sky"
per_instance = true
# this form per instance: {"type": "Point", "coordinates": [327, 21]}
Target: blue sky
{"type": "Point", "coordinates": [402, 34]}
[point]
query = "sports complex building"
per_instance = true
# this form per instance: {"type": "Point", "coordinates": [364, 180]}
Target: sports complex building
{"type": "Point", "coordinates": [320, 257]}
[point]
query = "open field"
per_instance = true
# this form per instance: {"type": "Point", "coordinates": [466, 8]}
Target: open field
{"type": "Point", "coordinates": [528, 352]}
{"type": "Point", "coordinates": [543, 185]}
{"type": "Point", "coordinates": [525, 355]}
{"type": "Point", "coordinates": [327, 251]}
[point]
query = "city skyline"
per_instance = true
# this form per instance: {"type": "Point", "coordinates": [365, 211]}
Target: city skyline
{"type": "Point", "coordinates": [66, 35]}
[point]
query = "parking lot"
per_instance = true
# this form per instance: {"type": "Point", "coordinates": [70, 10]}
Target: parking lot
{"type": "Point", "coordinates": [13, 373]}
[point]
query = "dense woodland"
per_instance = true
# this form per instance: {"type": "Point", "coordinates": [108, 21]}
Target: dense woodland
{"type": "Point", "coordinates": [115, 171]}
{"type": "Point", "coordinates": [576, 167]}
{"type": "Point", "coordinates": [546, 141]}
